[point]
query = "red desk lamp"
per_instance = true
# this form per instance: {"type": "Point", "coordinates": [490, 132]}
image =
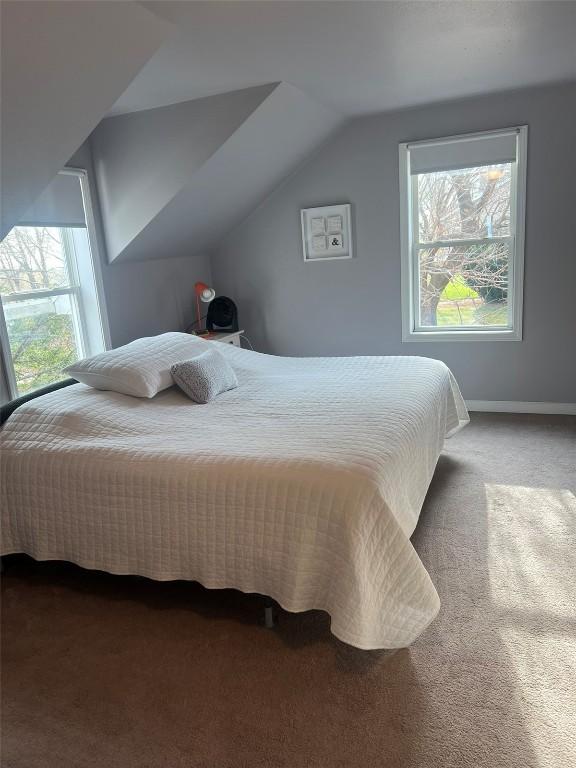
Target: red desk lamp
{"type": "Point", "coordinates": [205, 294]}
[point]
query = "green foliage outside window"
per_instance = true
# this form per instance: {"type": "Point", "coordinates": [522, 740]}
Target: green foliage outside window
{"type": "Point", "coordinates": [42, 345]}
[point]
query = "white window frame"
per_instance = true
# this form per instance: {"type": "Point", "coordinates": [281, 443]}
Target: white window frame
{"type": "Point", "coordinates": [409, 246]}
{"type": "Point", "coordinates": [95, 252]}
{"type": "Point", "coordinates": [74, 290]}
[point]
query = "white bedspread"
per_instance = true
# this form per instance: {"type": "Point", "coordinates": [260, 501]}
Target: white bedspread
{"type": "Point", "coordinates": [304, 484]}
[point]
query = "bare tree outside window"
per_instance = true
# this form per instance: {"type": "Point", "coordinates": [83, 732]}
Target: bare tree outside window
{"type": "Point", "coordinates": [464, 283]}
{"type": "Point", "coordinates": [32, 258]}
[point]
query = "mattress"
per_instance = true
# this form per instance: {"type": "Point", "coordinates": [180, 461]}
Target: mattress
{"type": "Point", "coordinates": [305, 484]}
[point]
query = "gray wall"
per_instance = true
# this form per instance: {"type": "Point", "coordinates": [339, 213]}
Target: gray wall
{"type": "Point", "coordinates": [353, 307]}
{"type": "Point", "coordinates": [144, 298]}
{"type": "Point", "coordinates": [144, 159]}
{"type": "Point", "coordinates": [175, 180]}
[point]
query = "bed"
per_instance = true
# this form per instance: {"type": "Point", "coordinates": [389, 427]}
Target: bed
{"type": "Point", "coordinates": [303, 484]}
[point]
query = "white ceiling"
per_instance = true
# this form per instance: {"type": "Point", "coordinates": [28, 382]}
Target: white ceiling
{"type": "Point", "coordinates": [357, 56]}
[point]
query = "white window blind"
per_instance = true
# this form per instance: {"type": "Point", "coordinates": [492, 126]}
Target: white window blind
{"type": "Point", "coordinates": [463, 152]}
{"type": "Point", "coordinates": [60, 205]}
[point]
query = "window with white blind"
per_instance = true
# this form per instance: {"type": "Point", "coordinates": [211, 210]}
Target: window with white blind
{"type": "Point", "coordinates": [462, 235]}
{"type": "Point", "coordinates": [52, 310]}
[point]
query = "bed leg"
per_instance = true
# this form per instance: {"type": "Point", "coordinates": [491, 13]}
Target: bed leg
{"type": "Point", "coordinates": [268, 614]}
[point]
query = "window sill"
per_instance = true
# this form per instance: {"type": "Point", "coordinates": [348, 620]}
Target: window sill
{"type": "Point", "coordinates": [450, 336]}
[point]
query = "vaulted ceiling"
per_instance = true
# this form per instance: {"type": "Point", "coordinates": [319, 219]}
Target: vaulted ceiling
{"type": "Point", "coordinates": [63, 65]}
{"type": "Point", "coordinates": [209, 105]}
{"type": "Point", "coordinates": [333, 60]}
{"type": "Point", "coordinates": [357, 57]}
{"type": "Point", "coordinates": [175, 180]}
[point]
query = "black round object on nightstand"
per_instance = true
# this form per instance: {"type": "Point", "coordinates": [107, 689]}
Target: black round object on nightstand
{"type": "Point", "coordinates": [222, 315]}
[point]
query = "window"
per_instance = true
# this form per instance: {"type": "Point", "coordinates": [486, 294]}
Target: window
{"type": "Point", "coordinates": [462, 234]}
{"type": "Point", "coordinates": [49, 286]}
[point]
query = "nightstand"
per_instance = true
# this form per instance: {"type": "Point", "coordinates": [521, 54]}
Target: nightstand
{"type": "Point", "coordinates": [227, 337]}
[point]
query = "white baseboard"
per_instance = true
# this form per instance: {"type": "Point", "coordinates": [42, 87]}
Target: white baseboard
{"type": "Point", "coordinates": [513, 406]}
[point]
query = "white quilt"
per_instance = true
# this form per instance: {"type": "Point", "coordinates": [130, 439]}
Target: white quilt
{"type": "Point", "coordinates": [304, 483]}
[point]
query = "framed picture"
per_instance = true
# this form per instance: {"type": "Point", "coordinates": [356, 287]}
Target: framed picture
{"type": "Point", "coordinates": [326, 233]}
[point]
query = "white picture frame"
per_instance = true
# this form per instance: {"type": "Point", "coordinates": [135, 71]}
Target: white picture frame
{"type": "Point", "coordinates": [337, 240]}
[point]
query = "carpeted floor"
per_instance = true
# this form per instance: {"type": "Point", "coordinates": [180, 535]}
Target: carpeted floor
{"type": "Point", "coordinates": [118, 672]}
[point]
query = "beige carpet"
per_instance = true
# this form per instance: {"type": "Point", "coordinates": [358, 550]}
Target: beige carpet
{"type": "Point", "coordinates": [115, 672]}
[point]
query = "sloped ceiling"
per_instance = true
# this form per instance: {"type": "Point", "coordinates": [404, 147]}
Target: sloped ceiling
{"type": "Point", "coordinates": [178, 166]}
{"type": "Point", "coordinates": [144, 160]}
{"type": "Point", "coordinates": [354, 56]}
{"type": "Point", "coordinates": [173, 181]}
{"type": "Point", "coordinates": [215, 137]}
{"type": "Point", "coordinates": [64, 64]}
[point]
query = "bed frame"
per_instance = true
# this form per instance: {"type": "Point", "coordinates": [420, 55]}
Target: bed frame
{"type": "Point", "coordinates": [8, 409]}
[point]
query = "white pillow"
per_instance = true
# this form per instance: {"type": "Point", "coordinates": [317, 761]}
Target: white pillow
{"type": "Point", "coordinates": [141, 368]}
